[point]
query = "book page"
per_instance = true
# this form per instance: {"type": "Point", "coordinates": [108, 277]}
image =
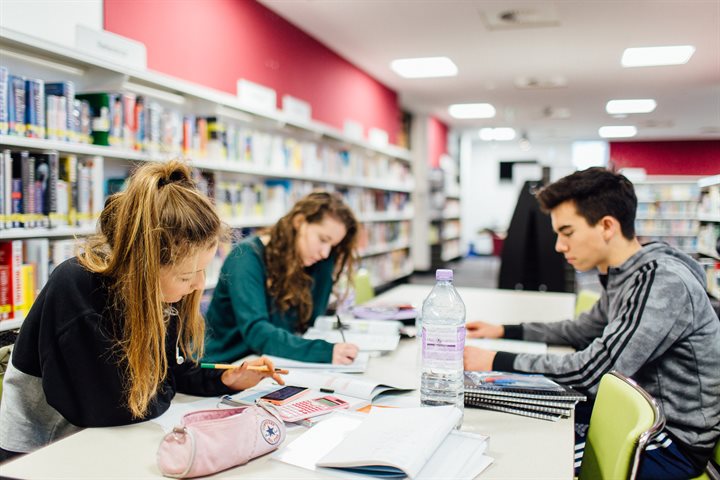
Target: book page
{"type": "Point", "coordinates": [362, 388]}
{"type": "Point", "coordinates": [404, 438]}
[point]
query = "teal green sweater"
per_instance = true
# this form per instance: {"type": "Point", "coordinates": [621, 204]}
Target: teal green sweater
{"type": "Point", "coordinates": [243, 319]}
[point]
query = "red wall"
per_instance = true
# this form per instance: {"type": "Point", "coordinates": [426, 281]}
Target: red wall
{"type": "Point", "coordinates": [668, 158]}
{"type": "Point", "coordinates": [216, 42]}
{"type": "Point", "coordinates": [437, 141]}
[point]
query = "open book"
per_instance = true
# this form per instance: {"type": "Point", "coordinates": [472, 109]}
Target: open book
{"type": "Point", "coordinates": [368, 335]}
{"type": "Point", "coordinates": [420, 443]}
{"type": "Point", "coordinates": [347, 385]}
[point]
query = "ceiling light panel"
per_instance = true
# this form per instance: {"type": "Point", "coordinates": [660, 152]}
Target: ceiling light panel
{"type": "Point", "coordinates": [424, 67]}
{"type": "Point", "coordinates": [656, 56]}
{"type": "Point", "coordinates": [638, 105]}
{"type": "Point", "coordinates": [617, 131]}
{"type": "Point", "coordinates": [502, 134]}
{"type": "Point", "coordinates": [471, 110]}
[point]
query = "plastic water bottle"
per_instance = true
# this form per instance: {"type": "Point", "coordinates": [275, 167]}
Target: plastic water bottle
{"type": "Point", "coordinates": [443, 341]}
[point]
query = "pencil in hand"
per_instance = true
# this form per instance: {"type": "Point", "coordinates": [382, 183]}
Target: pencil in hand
{"type": "Point", "coordinates": [257, 368]}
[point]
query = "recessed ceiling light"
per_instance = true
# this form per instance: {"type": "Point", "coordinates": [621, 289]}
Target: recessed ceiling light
{"type": "Point", "coordinates": [638, 105]}
{"type": "Point", "coordinates": [498, 134]}
{"type": "Point", "coordinates": [426, 67]}
{"type": "Point", "coordinates": [617, 131]}
{"type": "Point", "coordinates": [471, 110]}
{"type": "Point", "coordinates": [654, 56]}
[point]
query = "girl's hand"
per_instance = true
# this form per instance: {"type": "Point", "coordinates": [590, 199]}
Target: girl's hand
{"type": "Point", "coordinates": [242, 378]}
{"type": "Point", "coordinates": [344, 353]}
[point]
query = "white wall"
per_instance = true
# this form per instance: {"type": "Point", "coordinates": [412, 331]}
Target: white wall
{"type": "Point", "coordinates": [489, 203]}
{"type": "Point", "coordinates": [52, 20]}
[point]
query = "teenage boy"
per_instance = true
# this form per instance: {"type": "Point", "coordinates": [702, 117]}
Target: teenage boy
{"type": "Point", "coordinates": [653, 322]}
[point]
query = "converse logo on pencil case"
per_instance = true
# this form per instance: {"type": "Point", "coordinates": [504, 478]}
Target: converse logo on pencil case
{"type": "Point", "coordinates": [270, 432]}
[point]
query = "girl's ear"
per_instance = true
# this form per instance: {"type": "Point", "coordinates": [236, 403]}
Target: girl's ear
{"type": "Point", "coordinates": [298, 220]}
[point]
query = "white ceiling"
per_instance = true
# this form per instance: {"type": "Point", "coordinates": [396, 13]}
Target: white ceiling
{"type": "Point", "coordinates": [579, 40]}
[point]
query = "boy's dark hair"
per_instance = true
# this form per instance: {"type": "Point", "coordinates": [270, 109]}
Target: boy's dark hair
{"type": "Point", "coordinates": [597, 192]}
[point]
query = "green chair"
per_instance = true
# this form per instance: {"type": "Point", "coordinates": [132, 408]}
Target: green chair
{"type": "Point", "coordinates": [585, 301]}
{"type": "Point", "coordinates": [624, 419]}
{"type": "Point", "coordinates": [712, 471]}
{"type": "Point", "coordinates": [363, 287]}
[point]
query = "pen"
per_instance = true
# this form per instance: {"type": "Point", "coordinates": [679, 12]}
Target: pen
{"type": "Point", "coordinates": [257, 368]}
{"type": "Point", "coordinates": [341, 327]}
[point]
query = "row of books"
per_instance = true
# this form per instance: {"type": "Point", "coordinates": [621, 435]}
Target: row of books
{"type": "Point", "coordinates": [384, 234]}
{"type": "Point", "coordinates": [53, 110]}
{"type": "Point", "coordinates": [522, 394]}
{"type": "Point", "coordinates": [24, 269]}
{"type": "Point", "coordinates": [31, 107]}
{"type": "Point", "coordinates": [47, 189]}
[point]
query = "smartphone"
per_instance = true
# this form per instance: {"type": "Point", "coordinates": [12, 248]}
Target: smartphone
{"type": "Point", "coordinates": [300, 410]}
{"type": "Point", "coordinates": [284, 395]}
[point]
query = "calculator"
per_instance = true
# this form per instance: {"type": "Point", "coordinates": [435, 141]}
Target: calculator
{"type": "Point", "coordinates": [296, 411]}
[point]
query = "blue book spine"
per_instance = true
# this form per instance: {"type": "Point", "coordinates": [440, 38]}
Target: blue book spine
{"type": "Point", "coordinates": [34, 108]}
{"type": "Point", "coordinates": [4, 88]}
{"type": "Point", "coordinates": [16, 105]}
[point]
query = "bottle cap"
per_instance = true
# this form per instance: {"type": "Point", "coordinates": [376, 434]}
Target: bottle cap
{"type": "Point", "coordinates": [443, 274]}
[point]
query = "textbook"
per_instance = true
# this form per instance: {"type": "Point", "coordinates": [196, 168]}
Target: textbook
{"type": "Point", "coordinates": [418, 443]}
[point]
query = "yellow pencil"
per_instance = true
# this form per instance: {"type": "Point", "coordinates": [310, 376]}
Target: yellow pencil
{"type": "Point", "coordinates": [257, 368]}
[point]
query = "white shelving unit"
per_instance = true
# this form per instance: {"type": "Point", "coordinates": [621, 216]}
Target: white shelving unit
{"type": "Point", "coordinates": [362, 171]}
{"type": "Point", "coordinates": [708, 215]}
{"type": "Point", "coordinates": [667, 211]}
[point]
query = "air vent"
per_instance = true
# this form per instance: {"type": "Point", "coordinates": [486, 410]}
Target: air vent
{"type": "Point", "coordinates": [555, 113]}
{"type": "Point", "coordinates": [529, 15]}
{"type": "Point", "coordinates": [655, 124]}
{"type": "Point", "coordinates": [540, 82]}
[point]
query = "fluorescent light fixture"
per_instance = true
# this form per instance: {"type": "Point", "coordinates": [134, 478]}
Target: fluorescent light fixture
{"type": "Point", "coordinates": [154, 93]}
{"type": "Point", "coordinates": [43, 62]}
{"type": "Point", "coordinates": [655, 56]}
{"type": "Point", "coordinates": [617, 131]}
{"type": "Point", "coordinates": [471, 110]}
{"type": "Point", "coordinates": [639, 105]}
{"type": "Point", "coordinates": [425, 67]}
{"type": "Point", "coordinates": [498, 134]}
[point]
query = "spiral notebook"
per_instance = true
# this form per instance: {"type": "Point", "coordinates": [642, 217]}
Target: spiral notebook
{"type": "Point", "coordinates": [504, 384]}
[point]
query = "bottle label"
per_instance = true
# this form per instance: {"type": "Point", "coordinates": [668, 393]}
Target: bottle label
{"type": "Point", "coordinates": [442, 346]}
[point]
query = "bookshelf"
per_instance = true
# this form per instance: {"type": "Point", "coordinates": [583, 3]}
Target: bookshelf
{"type": "Point", "coordinates": [708, 215]}
{"type": "Point", "coordinates": [255, 164]}
{"type": "Point", "coordinates": [667, 211]}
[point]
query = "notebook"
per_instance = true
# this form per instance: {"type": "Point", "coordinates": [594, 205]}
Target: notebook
{"type": "Point", "coordinates": [530, 386]}
{"type": "Point", "coordinates": [509, 402]}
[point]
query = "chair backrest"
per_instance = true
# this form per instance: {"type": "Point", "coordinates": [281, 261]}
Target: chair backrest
{"type": "Point", "coordinates": [585, 301]}
{"type": "Point", "coordinates": [4, 360]}
{"type": "Point", "coordinates": [363, 287]}
{"type": "Point", "coordinates": [624, 419]}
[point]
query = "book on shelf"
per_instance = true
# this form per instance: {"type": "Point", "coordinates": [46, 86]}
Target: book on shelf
{"type": "Point", "coordinates": [417, 443]}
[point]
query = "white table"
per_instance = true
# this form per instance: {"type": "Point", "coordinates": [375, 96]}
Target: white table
{"type": "Point", "coordinates": [523, 448]}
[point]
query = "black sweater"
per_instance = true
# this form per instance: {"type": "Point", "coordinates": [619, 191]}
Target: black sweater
{"type": "Point", "coordinates": [67, 339]}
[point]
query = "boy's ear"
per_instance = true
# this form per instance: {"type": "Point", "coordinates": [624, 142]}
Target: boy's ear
{"type": "Point", "coordinates": [610, 226]}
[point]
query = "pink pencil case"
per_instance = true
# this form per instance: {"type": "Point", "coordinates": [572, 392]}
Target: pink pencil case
{"type": "Point", "coordinates": [209, 441]}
